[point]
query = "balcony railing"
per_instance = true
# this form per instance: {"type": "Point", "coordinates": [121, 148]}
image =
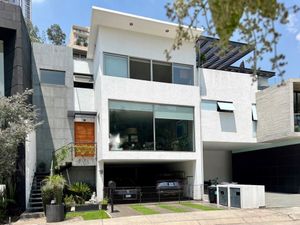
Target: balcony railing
{"type": "Point", "coordinates": [297, 122]}
{"type": "Point", "coordinates": [73, 152]}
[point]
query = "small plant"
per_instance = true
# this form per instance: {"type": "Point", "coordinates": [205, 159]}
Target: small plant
{"type": "Point", "coordinates": [104, 201]}
{"type": "Point", "coordinates": [69, 202]}
{"type": "Point", "coordinates": [81, 189]}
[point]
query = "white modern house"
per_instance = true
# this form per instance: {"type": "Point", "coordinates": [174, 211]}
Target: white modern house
{"type": "Point", "coordinates": [129, 115]}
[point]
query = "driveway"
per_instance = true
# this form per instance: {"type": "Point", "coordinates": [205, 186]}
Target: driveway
{"type": "Point", "coordinates": [274, 200]}
{"type": "Point", "coordinates": [237, 216]}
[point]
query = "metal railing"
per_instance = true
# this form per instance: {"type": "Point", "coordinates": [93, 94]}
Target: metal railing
{"type": "Point", "coordinates": [139, 194]}
{"type": "Point", "coordinates": [67, 153]}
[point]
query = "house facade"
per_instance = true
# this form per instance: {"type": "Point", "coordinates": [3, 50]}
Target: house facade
{"type": "Point", "coordinates": [118, 110]}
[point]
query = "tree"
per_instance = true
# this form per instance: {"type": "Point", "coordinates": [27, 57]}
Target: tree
{"type": "Point", "coordinates": [56, 35]}
{"type": "Point", "coordinates": [33, 32]}
{"type": "Point", "coordinates": [254, 20]}
{"type": "Point", "coordinates": [17, 119]}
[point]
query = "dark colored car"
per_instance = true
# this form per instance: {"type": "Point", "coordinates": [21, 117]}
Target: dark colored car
{"type": "Point", "coordinates": [169, 187]}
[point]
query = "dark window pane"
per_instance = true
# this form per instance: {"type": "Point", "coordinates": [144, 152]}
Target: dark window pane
{"type": "Point", "coordinates": [140, 69]}
{"type": "Point", "coordinates": [130, 129]}
{"type": "Point", "coordinates": [183, 74]}
{"type": "Point", "coordinates": [174, 135]}
{"type": "Point", "coordinates": [162, 72]}
{"type": "Point", "coordinates": [52, 77]}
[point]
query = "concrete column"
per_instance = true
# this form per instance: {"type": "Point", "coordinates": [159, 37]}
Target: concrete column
{"type": "Point", "coordinates": [100, 180]}
{"type": "Point", "coordinates": [198, 180]}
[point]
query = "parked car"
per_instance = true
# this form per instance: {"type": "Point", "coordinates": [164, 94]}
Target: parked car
{"type": "Point", "coordinates": [169, 187]}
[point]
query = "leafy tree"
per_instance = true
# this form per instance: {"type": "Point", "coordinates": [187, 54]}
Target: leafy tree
{"type": "Point", "coordinates": [33, 32]}
{"type": "Point", "coordinates": [56, 35]}
{"type": "Point", "coordinates": [254, 20]}
{"type": "Point", "coordinates": [17, 119]}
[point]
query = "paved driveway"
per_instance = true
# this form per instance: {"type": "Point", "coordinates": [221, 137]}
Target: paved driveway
{"type": "Point", "coordinates": [282, 200]}
{"type": "Point", "coordinates": [255, 216]}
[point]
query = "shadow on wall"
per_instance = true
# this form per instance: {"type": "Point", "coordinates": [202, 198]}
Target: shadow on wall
{"type": "Point", "coordinates": [202, 84]}
{"type": "Point", "coordinates": [44, 141]}
{"type": "Point", "coordinates": [227, 121]}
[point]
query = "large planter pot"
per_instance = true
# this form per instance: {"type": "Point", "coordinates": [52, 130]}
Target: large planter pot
{"type": "Point", "coordinates": [55, 213]}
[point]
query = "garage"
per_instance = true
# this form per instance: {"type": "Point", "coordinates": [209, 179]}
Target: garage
{"type": "Point", "coordinates": [147, 181]}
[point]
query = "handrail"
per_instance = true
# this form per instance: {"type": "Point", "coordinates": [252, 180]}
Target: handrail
{"type": "Point", "coordinates": [68, 152]}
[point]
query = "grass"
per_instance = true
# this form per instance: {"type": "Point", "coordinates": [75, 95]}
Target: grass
{"type": "Point", "coordinates": [173, 208]}
{"type": "Point", "coordinates": [199, 206]}
{"type": "Point", "coordinates": [143, 210]}
{"type": "Point", "coordinates": [89, 215]}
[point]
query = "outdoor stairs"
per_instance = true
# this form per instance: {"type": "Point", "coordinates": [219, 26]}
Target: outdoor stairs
{"type": "Point", "coordinates": [35, 200]}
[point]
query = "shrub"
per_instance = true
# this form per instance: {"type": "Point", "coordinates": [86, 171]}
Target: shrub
{"type": "Point", "coordinates": [53, 189]}
{"type": "Point", "coordinates": [81, 189]}
{"type": "Point", "coordinates": [69, 201]}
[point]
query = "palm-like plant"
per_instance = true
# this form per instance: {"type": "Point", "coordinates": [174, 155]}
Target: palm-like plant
{"type": "Point", "coordinates": [52, 188]}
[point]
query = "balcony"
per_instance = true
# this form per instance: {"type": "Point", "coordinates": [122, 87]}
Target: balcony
{"type": "Point", "coordinates": [75, 154]}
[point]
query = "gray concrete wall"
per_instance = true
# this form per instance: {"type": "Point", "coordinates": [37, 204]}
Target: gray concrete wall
{"type": "Point", "coordinates": [275, 113]}
{"type": "Point", "coordinates": [86, 174]}
{"type": "Point", "coordinates": [217, 164]}
{"type": "Point", "coordinates": [54, 101]}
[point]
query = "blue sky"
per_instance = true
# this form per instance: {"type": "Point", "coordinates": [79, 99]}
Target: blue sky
{"type": "Point", "coordinates": [69, 12]}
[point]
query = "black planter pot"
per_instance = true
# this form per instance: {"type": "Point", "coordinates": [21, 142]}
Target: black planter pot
{"type": "Point", "coordinates": [104, 206]}
{"type": "Point", "coordinates": [55, 213]}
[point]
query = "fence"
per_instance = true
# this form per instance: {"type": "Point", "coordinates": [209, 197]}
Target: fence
{"type": "Point", "coordinates": [139, 194]}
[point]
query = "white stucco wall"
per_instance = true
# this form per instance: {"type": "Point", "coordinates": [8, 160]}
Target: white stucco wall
{"type": "Point", "coordinates": [232, 87]}
{"type": "Point", "coordinates": [84, 100]}
{"type": "Point", "coordinates": [1, 69]}
{"type": "Point", "coordinates": [106, 88]}
{"type": "Point", "coordinates": [30, 161]}
{"type": "Point", "coordinates": [83, 66]}
{"type": "Point", "coordinates": [217, 164]}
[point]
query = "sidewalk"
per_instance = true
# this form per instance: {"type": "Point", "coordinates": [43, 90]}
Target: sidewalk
{"type": "Point", "coordinates": [282, 216]}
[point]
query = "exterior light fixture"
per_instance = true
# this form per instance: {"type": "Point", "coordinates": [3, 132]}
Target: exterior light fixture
{"type": "Point", "coordinates": [131, 24]}
{"type": "Point", "coordinates": [167, 30]}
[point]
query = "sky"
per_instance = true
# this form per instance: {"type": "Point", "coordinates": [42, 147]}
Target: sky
{"type": "Point", "coordinates": [69, 12]}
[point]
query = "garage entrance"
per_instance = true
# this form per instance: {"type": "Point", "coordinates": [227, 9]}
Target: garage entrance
{"type": "Point", "coordinates": [146, 182]}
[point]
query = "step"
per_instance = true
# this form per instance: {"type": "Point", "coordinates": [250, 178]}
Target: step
{"type": "Point", "coordinates": [29, 215]}
{"type": "Point", "coordinates": [36, 195]}
{"type": "Point", "coordinates": [35, 209]}
{"type": "Point", "coordinates": [35, 204]}
{"type": "Point", "coordinates": [35, 199]}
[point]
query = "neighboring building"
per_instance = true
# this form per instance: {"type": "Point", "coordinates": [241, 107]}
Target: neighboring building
{"type": "Point", "coordinates": [26, 6]}
{"type": "Point", "coordinates": [15, 77]}
{"type": "Point", "coordinates": [79, 41]}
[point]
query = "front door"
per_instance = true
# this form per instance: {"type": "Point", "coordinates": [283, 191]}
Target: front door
{"type": "Point", "coordinates": [84, 139]}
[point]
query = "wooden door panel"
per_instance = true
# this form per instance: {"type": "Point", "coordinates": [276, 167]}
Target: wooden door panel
{"type": "Point", "coordinates": [84, 139]}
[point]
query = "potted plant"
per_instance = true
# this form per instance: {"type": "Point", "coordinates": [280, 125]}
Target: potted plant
{"type": "Point", "coordinates": [52, 194]}
{"type": "Point", "coordinates": [69, 202]}
{"type": "Point", "coordinates": [104, 204]}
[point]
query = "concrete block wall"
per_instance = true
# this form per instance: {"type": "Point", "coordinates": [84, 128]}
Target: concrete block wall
{"type": "Point", "coordinates": [54, 101]}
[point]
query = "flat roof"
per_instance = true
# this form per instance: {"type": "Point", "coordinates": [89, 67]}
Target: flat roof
{"type": "Point", "coordinates": [130, 22]}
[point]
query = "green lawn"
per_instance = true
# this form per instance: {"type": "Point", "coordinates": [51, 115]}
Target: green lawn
{"type": "Point", "coordinates": [89, 215]}
{"type": "Point", "coordinates": [198, 206]}
{"type": "Point", "coordinates": [173, 208]}
{"type": "Point", "coordinates": [143, 210]}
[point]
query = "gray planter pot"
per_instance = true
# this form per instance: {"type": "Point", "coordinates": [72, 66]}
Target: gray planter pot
{"type": "Point", "coordinates": [55, 213]}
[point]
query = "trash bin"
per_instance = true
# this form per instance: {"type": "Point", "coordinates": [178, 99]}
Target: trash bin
{"type": "Point", "coordinates": [235, 197]}
{"type": "Point", "coordinates": [223, 196]}
{"type": "Point", "coordinates": [212, 194]}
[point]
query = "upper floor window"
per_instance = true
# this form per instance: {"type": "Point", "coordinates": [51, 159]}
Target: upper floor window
{"type": "Point", "coordinates": [145, 69]}
{"type": "Point", "coordinates": [83, 81]}
{"type": "Point", "coordinates": [52, 77]}
{"type": "Point", "coordinates": [115, 65]}
{"type": "Point", "coordinates": [225, 106]}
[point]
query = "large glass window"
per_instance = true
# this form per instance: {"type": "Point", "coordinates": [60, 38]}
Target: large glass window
{"type": "Point", "coordinates": [162, 72]}
{"type": "Point", "coordinates": [140, 69]}
{"type": "Point", "coordinates": [52, 77]}
{"type": "Point", "coordinates": [138, 126]}
{"type": "Point", "coordinates": [131, 126]}
{"type": "Point", "coordinates": [115, 65]}
{"type": "Point", "coordinates": [173, 128]}
{"type": "Point", "coordinates": [1, 69]}
{"type": "Point", "coordinates": [183, 74]}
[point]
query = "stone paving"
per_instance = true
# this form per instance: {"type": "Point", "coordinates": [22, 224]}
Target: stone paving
{"type": "Point", "coordinates": [280, 216]}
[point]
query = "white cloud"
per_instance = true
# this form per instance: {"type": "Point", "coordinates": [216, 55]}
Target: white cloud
{"type": "Point", "coordinates": [38, 1]}
{"type": "Point", "coordinates": [298, 37]}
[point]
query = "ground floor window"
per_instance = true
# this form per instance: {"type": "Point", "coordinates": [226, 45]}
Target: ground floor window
{"type": "Point", "coordinates": [139, 126]}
